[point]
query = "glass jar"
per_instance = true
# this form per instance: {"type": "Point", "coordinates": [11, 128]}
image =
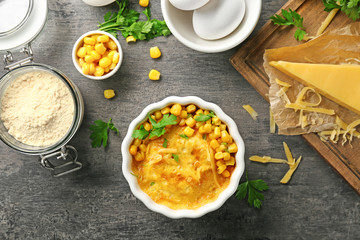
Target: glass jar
{"type": "Point", "coordinates": [30, 20]}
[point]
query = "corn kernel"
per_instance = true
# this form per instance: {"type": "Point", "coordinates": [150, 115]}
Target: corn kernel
{"type": "Point", "coordinates": [226, 156]}
{"type": "Point", "coordinates": [220, 163]}
{"type": "Point", "coordinates": [199, 111]}
{"type": "Point", "coordinates": [158, 115]}
{"type": "Point", "coordinates": [81, 61]}
{"type": "Point", "coordinates": [155, 52]}
{"type": "Point", "coordinates": [104, 62]}
{"type": "Point", "coordinates": [190, 122]}
{"type": "Point", "coordinates": [217, 132]}
{"type": "Point", "coordinates": [112, 45]}
{"type": "Point", "coordinates": [165, 110]}
{"type": "Point", "coordinates": [144, 3]}
{"type": "Point", "coordinates": [207, 128]}
{"type": "Point", "coordinates": [189, 131]}
{"type": "Point", "coordinates": [183, 114]}
{"type": "Point", "coordinates": [85, 68]}
{"type": "Point", "coordinates": [218, 155]}
{"type": "Point", "coordinates": [133, 150]}
{"type": "Point", "coordinates": [208, 121]}
{"type": "Point", "coordinates": [182, 122]}
{"type": "Point", "coordinates": [139, 156]}
{"type": "Point", "coordinates": [226, 173]}
{"type": "Point", "coordinates": [225, 137]}
{"type": "Point", "coordinates": [103, 38]}
{"type": "Point", "coordinates": [92, 68]}
{"type": "Point", "coordinates": [100, 48]}
{"type": "Point", "coordinates": [107, 69]}
{"type": "Point", "coordinates": [95, 55]}
{"type": "Point", "coordinates": [176, 109]}
{"type": "Point", "coordinates": [199, 124]}
{"type": "Point", "coordinates": [218, 149]}
{"type": "Point", "coordinates": [142, 147]}
{"type": "Point", "coordinates": [233, 148]}
{"type": "Point", "coordinates": [216, 121]}
{"type": "Point", "coordinates": [214, 144]}
{"type": "Point", "coordinates": [99, 71]}
{"type": "Point", "coordinates": [222, 127]}
{"type": "Point", "coordinates": [201, 130]}
{"type": "Point", "coordinates": [89, 41]}
{"type": "Point", "coordinates": [108, 94]}
{"type": "Point", "coordinates": [89, 59]}
{"type": "Point", "coordinates": [230, 162]}
{"type": "Point", "coordinates": [147, 126]}
{"type": "Point", "coordinates": [89, 49]}
{"type": "Point", "coordinates": [106, 54]}
{"type": "Point", "coordinates": [81, 52]}
{"type": "Point", "coordinates": [111, 54]}
{"type": "Point", "coordinates": [221, 169]}
{"type": "Point", "coordinates": [206, 112]}
{"type": "Point", "coordinates": [116, 57]}
{"type": "Point", "coordinates": [222, 147]}
{"type": "Point", "coordinates": [211, 136]}
{"type": "Point", "coordinates": [191, 108]}
{"type": "Point", "coordinates": [130, 39]}
{"type": "Point", "coordinates": [137, 142]}
{"type": "Point", "coordinates": [154, 75]}
{"type": "Point", "coordinates": [112, 66]}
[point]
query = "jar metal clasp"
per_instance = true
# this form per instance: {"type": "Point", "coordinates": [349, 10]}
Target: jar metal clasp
{"type": "Point", "coordinates": [11, 64]}
{"type": "Point", "coordinates": [65, 163]}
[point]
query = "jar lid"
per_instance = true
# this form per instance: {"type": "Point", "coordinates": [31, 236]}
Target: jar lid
{"type": "Point", "coordinates": [20, 22]}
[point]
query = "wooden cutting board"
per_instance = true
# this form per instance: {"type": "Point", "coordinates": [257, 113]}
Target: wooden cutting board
{"type": "Point", "coordinates": [248, 61]}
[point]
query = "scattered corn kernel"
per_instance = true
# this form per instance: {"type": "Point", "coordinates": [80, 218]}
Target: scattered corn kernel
{"type": "Point", "coordinates": [108, 94]}
{"type": "Point", "coordinates": [155, 52]}
{"type": "Point", "coordinates": [130, 39]}
{"type": "Point", "coordinates": [144, 3]}
{"type": "Point", "coordinates": [154, 75]}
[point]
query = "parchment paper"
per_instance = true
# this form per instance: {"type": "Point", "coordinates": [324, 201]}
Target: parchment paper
{"type": "Point", "coordinates": [340, 46]}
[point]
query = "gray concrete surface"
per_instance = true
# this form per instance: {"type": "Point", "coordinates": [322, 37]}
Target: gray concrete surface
{"type": "Point", "coordinates": [96, 202]}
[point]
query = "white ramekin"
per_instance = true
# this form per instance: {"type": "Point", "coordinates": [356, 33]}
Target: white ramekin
{"type": "Point", "coordinates": [235, 177]}
{"type": "Point", "coordinates": [80, 42]}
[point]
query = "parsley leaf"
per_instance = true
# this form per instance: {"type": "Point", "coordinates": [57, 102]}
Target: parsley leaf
{"type": "Point", "coordinates": [183, 136]}
{"type": "Point", "coordinates": [141, 133]}
{"type": "Point", "coordinates": [204, 118]}
{"type": "Point", "coordinates": [100, 132]}
{"type": "Point", "coordinates": [290, 18]}
{"type": "Point", "coordinates": [252, 189]}
{"type": "Point", "coordinates": [134, 174]}
{"type": "Point", "coordinates": [165, 143]}
{"type": "Point", "coordinates": [152, 183]}
{"type": "Point", "coordinates": [176, 157]}
{"type": "Point", "coordinates": [166, 120]}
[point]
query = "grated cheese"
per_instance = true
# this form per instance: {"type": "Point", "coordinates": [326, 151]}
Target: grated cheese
{"type": "Point", "coordinates": [327, 21]}
{"type": "Point", "coordinates": [251, 111]}
{"type": "Point", "coordinates": [272, 122]}
{"type": "Point", "coordinates": [290, 172]}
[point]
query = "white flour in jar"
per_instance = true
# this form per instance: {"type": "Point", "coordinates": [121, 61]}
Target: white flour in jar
{"type": "Point", "coordinates": [37, 108]}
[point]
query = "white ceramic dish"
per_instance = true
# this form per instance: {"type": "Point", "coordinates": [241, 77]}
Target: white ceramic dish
{"type": "Point", "coordinates": [80, 42]}
{"type": "Point", "coordinates": [235, 177]}
{"type": "Point", "coordinates": [180, 24]}
{"type": "Point", "coordinates": [98, 3]}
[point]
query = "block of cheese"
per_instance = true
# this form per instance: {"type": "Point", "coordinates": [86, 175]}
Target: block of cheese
{"type": "Point", "coordinates": [340, 83]}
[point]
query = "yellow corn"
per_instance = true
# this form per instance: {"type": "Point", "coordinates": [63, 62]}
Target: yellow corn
{"type": "Point", "coordinates": [183, 114]}
{"type": "Point", "coordinates": [89, 41]}
{"type": "Point", "coordinates": [133, 150]}
{"type": "Point", "coordinates": [112, 66]}
{"type": "Point", "coordinates": [130, 39]}
{"type": "Point", "coordinates": [85, 68]}
{"type": "Point", "coordinates": [207, 128]}
{"type": "Point", "coordinates": [158, 115]}
{"type": "Point", "coordinates": [139, 156]}
{"type": "Point", "coordinates": [191, 108]}
{"type": "Point", "coordinates": [218, 155]}
{"type": "Point", "coordinates": [199, 111]}
{"type": "Point", "coordinates": [199, 124]}
{"type": "Point", "coordinates": [217, 132]}
{"type": "Point", "coordinates": [108, 94]}
{"type": "Point", "coordinates": [214, 144]}
{"type": "Point", "coordinates": [89, 49]}
{"type": "Point", "coordinates": [225, 137]}
{"type": "Point", "coordinates": [221, 169]}
{"type": "Point", "coordinates": [216, 121]}
{"type": "Point", "coordinates": [233, 148]}
{"type": "Point", "coordinates": [154, 75]}
{"type": "Point", "coordinates": [206, 112]}
{"type": "Point", "coordinates": [81, 52]}
{"type": "Point", "coordinates": [222, 147]}
{"type": "Point", "coordinates": [81, 61]}
{"type": "Point", "coordinates": [147, 126]}
{"type": "Point", "coordinates": [182, 122]}
{"type": "Point", "coordinates": [116, 57]}
{"type": "Point", "coordinates": [176, 109]}
{"type": "Point", "coordinates": [111, 45]}
{"type": "Point", "coordinates": [220, 163]}
{"type": "Point", "coordinates": [201, 130]}
{"type": "Point", "coordinates": [95, 55]}
{"type": "Point", "coordinates": [226, 173]}
{"type": "Point", "coordinates": [155, 52]}
{"type": "Point", "coordinates": [92, 68]}
{"type": "Point", "coordinates": [111, 54]}
{"type": "Point", "coordinates": [107, 69]}
{"type": "Point", "coordinates": [190, 122]}
{"type": "Point", "coordinates": [230, 162]}
{"type": "Point", "coordinates": [142, 148]}
{"type": "Point", "coordinates": [103, 38]}
{"type": "Point", "coordinates": [100, 48]}
{"type": "Point", "coordinates": [99, 71]}
{"type": "Point", "coordinates": [89, 59]}
{"type": "Point", "coordinates": [165, 110]}
{"type": "Point", "coordinates": [222, 127]}
{"type": "Point", "coordinates": [189, 131]}
{"type": "Point", "coordinates": [137, 142]}
{"type": "Point", "coordinates": [211, 135]}
{"type": "Point", "coordinates": [226, 156]}
{"type": "Point", "coordinates": [104, 62]}
{"type": "Point", "coordinates": [144, 3]}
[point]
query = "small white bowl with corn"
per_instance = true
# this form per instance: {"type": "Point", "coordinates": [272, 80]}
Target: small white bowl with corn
{"type": "Point", "coordinates": [183, 213]}
{"type": "Point", "coordinates": [97, 55]}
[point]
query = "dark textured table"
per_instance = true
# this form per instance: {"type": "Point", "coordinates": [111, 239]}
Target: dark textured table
{"type": "Point", "coordinates": [96, 202]}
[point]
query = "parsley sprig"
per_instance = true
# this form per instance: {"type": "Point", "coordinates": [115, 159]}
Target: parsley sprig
{"type": "Point", "coordinates": [204, 118]}
{"type": "Point", "coordinates": [252, 189]}
{"type": "Point", "coordinates": [291, 18]}
{"type": "Point", "coordinates": [100, 131]}
{"type": "Point", "coordinates": [158, 127]}
{"type": "Point", "coordinates": [350, 7]}
{"type": "Point", "coordinates": [126, 21]}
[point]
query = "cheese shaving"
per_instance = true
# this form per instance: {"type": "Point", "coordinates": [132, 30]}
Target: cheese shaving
{"type": "Point", "coordinates": [290, 172]}
{"type": "Point", "coordinates": [272, 122]}
{"type": "Point", "coordinates": [282, 83]}
{"type": "Point", "coordinates": [347, 132]}
{"type": "Point", "coordinates": [251, 111]}
{"type": "Point", "coordinates": [296, 107]}
{"type": "Point", "coordinates": [288, 153]}
{"type": "Point", "coordinates": [267, 159]}
{"type": "Point", "coordinates": [282, 94]}
{"type": "Point", "coordinates": [327, 21]}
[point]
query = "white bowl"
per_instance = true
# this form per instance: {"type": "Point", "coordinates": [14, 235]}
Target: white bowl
{"type": "Point", "coordinates": [235, 177]}
{"type": "Point", "coordinates": [80, 42]}
{"type": "Point", "coordinates": [180, 24]}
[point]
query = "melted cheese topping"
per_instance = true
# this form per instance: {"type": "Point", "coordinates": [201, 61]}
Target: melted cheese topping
{"type": "Point", "coordinates": [188, 183]}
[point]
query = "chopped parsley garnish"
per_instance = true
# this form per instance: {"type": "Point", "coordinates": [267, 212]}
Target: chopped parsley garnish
{"type": "Point", "coordinates": [203, 118]}
{"type": "Point", "coordinates": [134, 174]}
{"type": "Point", "coordinates": [100, 131]}
{"type": "Point", "coordinates": [165, 143]}
{"type": "Point", "coordinates": [204, 136]}
{"type": "Point", "coordinates": [252, 189]}
{"type": "Point", "coordinates": [158, 128]}
{"type": "Point", "coordinates": [224, 143]}
{"type": "Point", "coordinates": [176, 157]}
{"type": "Point", "coordinates": [152, 183]}
{"type": "Point", "coordinates": [183, 136]}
